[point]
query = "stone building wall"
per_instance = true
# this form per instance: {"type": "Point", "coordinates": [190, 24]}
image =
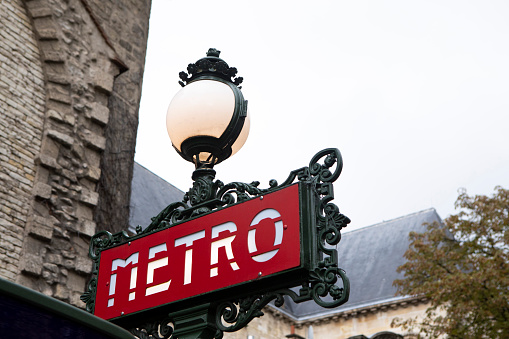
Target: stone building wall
{"type": "Point", "coordinates": [367, 322]}
{"type": "Point", "coordinates": [125, 26]}
{"type": "Point", "coordinates": [355, 323]}
{"type": "Point", "coordinates": [22, 100]}
{"type": "Point", "coordinates": [70, 88]}
{"type": "Point", "coordinates": [269, 326]}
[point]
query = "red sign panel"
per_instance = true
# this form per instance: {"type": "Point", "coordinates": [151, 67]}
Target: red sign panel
{"type": "Point", "coordinates": [238, 244]}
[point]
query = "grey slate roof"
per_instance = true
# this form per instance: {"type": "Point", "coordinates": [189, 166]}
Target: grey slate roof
{"type": "Point", "coordinates": [370, 257]}
{"type": "Point", "coordinates": [150, 194]}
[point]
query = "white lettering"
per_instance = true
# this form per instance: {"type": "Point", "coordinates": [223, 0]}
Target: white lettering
{"type": "Point", "coordinates": [152, 251]}
{"type": "Point", "coordinates": [115, 264]}
{"type": "Point", "coordinates": [251, 235]}
{"type": "Point", "coordinates": [152, 266]}
{"type": "Point", "coordinates": [226, 243]}
{"type": "Point", "coordinates": [188, 264]}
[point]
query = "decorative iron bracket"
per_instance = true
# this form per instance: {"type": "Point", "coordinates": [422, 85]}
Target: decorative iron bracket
{"type": "Point", "coordinates": [326, 283]}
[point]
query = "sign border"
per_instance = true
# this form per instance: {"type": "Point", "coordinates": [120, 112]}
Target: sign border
{"type": "Point", "coordinates": [292, 276]}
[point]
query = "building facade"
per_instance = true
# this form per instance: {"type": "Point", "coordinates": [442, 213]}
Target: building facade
{"type": "Point", "coordinates": [70, 84]}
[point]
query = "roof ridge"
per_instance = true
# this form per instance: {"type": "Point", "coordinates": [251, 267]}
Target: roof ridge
{"type": "Point", "coordinates": [431, 209]}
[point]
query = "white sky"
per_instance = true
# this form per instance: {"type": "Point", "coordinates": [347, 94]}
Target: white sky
{"type": "Point", "coordinates": [415, 94]}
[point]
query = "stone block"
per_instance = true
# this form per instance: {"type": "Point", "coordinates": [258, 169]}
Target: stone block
{"type": "Point", "coordinates": [76, 301]}
{"type": "Point", "coordinates": [68, 254]}
{"type": "Point", "coordinates": [103, 81]}
{"type": "Point", "coordinates": [50, 267]}
{"type": "Point", "coordinates": [83, 265]}
{"type": "Point", "coordinates": [4, 244]}
{"type": "Point", "coordinates": [59, 78]}
{"type": "Point", "coordinates": [47, 34]}
{"type": "Point", "coordinates": [52, 56]}
{"type": "Point", "coordinates": [93, 140]}
{"type": "Point", "coordinates": [99, 113]}
{"type": "Point", "coordinates": [40, 227]}
{"type": "Point", "coordinates": [93, 174]}
{"type": "Point", "coordinates": [38, 10]}
{"type": "Point", "coordinates": [50, 147]}
{"type": "Point", "coordinates": [54, 258]}
{"type": "Point", "coordinates": [84, 212]}
{"type": "Point", "coordinates": [47, 161]}
{"type": "Point", "coordinates": [62, 292]}
{"type": "Point", "coordinates": [62, 118]}
{"type": "Point", "coordinates": [42, 190]}
{"type": "Point", "coordinates": [45, 28]}
{"type": "Point", "coordinates": [69, 175]}
{"type": "Point", "coordinates": [59, 93]}
{"type": "Point", "coordinates": [32, 264]}
{"type": "Point", "coordinates": [93, 158]}
{"type": "Point", "coordinates": [62, 138]}
{"type": "Point", "coordinates": [87, 227]}
{"type": "Point", "coordinates": [50, 273]}
{"type": "Point", "coordinates": [68, 263]}
{"type": "Point", "coordinates": [89, 198]}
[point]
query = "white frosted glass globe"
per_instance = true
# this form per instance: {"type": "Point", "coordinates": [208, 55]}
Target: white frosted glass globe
{"type": "Point", "coordinates": [244, 133]}
{"type": "Point", "coordinates": [241, 140]}
{"type": "Point", "coordinates": [202, 108]}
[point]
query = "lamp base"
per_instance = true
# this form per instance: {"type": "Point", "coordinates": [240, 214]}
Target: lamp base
{"type": "Point", "coordinates": [204, 188]}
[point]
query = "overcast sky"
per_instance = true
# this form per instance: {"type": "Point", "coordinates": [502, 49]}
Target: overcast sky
{"type": "Point", "coordinates": [415, 95]}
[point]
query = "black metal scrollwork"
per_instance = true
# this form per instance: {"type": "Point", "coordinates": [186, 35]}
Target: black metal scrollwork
{"type": "Point", "coordinates": [161, 329]}
{"type": "Point", "coordinates": [241, 312]}
{"type": "Point", "coordinates": [327, 284]}
{"type": "Point", "coordinates": [211, 64]}
{"type": "Point", "coordinates": [98, 243]}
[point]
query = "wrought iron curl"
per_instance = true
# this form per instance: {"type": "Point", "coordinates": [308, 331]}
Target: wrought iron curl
{"type": "Point", "coordinates": [172, 214]}
{"type": "Point", "coordinates": [240, 312]}
{"type": "Point", "coordinates": [331, 233]}
{"type": "Point", "coordinates": [241, 190]}
{"type": "Point", "coordinates": [160, 329]}
{"type": "Point", "coordinates": [228, 312]}
{"type": "Point", "coordinates": [89, 296]}
{"type": "Point", "coordinates": [324, 283]}
{"type": "Point", "coordinates": [98, 242]}
{"type": "Point", "coordinates": [332, 156]}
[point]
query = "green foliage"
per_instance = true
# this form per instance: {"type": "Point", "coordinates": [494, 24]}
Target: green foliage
{"type": "Point", "coordinates": [462, 267]}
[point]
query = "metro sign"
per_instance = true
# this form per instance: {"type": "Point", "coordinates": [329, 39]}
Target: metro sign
{"type": "Point", "coordinates": [247, 243]}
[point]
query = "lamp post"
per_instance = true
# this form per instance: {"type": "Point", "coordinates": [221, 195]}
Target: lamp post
{"type": "Point", "coordinates": [207, 121]}
{"type": "Point", "coordinates": [150, 284]}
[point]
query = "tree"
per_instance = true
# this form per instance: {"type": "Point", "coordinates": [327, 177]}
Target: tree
{"type": "Point", "coordinates": [462, 267]}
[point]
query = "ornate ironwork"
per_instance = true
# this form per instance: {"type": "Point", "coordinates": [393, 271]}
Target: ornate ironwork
{"type": "Point", "coordinates": [210, 65]}
{"type": "Point", "coordinates": [161, 329]}
{"type": "Point", "coordinates": [99, 242]}
{"type": "Point", "coordinates": [326, 284]}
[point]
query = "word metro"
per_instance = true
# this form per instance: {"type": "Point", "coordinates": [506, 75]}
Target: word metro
{"type": "Point", "coordinates": [240, 244]}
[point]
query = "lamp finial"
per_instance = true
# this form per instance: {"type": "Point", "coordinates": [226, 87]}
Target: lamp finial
{"type": "Point", "coordinates": [213, 53]}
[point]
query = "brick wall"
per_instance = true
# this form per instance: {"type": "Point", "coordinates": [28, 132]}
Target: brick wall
{"type": "Point", "coordinates": [22, 101]}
